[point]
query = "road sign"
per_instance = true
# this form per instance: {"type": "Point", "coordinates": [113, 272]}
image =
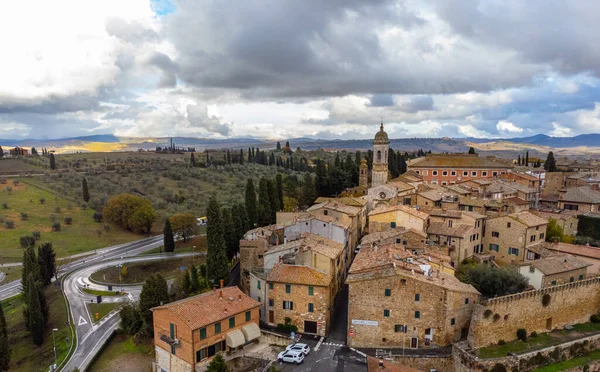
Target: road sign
{"type": "Point", "coordinates": [97, 315]}
{"type": "Point", "coordinates": [351, 331]}
{"type": "Point", "coordinates": [82, 321]}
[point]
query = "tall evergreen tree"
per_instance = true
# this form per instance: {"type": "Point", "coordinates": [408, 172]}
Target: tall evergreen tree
{"type": "Point", "coordinates": [217, 365]}
{"type": "Point", "coordinates": [1, 152]}
{"type": "Point", "coordinates": [34, 310]}
{"type": "Point", "coordinates": [308, 193]}
{"type": "Point", "coordinates": [168, 238]}
{"type": "Point", "coordinates": [85, 191]}
{"type": "Point", "coordinates": [519, 159]}
{"type": "Point", "coordinates": [4, 345]}
{"type": "Point", "coordinates": [30, 267]}
{"type": "Point", "coordinates": [527, 158]}
{"type": "Point", "coordinates": [216, 257]}
{"type": "Point", "coordinates": [249, 155]}
{"type": "Point", "coordinates": [194, 279]}
{"type": "Point", "coordinates": [52, 162]}
{"type": "Point", "coordinates": [192, 159]}
{"type": "Point", "coordinates": [241, 156]}
{"type": "Point", "coordinates": [273, 199]}
{"type": "Point", "coordinates": [155, 292]}
{"type": "Point", "coordinates": [228, 158]}
{"type": "Point", "coordinates": [46, 262]}
{"type": "Point", "coordinates": [264, 204]}
{"type": "Point", "coordinates": [550, 164]}
{"type": "Point", "coordinates": [251, 207]}
{"type": "Point", "coordinates": [229, 232]}
{"type": "Point", "coordinates": [238, 214]}
{"type": "Point", "coordinates": [279, 181]}
{"type": "Point", "coordinates": [471, 150]}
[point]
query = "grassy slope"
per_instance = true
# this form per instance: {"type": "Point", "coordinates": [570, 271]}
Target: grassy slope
{"type": "Point", "coordinates": [101, 309]}
{"type": "Point", "coordinates": [71, 239]}
{"type": "Point", "coordinates": [102, 293]}
{"type": "Point", "coordinates": [138, 272]}
{"type": "Point", "coordinates": [26, 356]}
{"type": "Point", "coordinates": [122, 354]}
{"type": "Point", "coordinates": [185, 247]}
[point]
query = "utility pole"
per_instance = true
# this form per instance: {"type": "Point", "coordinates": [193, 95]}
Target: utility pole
{"type": "Point", "coordinates": [54, 343]}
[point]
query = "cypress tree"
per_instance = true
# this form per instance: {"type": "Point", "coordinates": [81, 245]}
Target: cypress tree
{"type": "Point", "coordinates": [228, 157]}
{"type": "Point", "coordinates": [1, 152]}
{"type": "Point", "coordinates": [216, 257]}
{"type": "Point", "coordinates": [308, 194]}
{"type": "Point", "coordinates": [241, 156]}
{"type": "Point", "coordinates": [36, 318]}
{"type": "Point", "coordinates": [193, 160]}
{"type": "Point", "coordinates": [264, 203]}
{"type": "Point", "coordinates": [194, 279]}
{"type": "Point", "coordinates": [52, 162]}
{"type": "Point", "coordinates": [155, 292]}
{"type": "Point", "coordinates": [30, 266]}
{"type": "Point", "coordinates": [238, 214]}
{"type": "Point", "coordinates": [279, 181]}
{"type": "Point", "coordinates": [251, 208]}
{"type": "Point", "coordinates": [229, 232]}
{"type": "Point", "coordinates": [187, 283]}
{"type": "Point", "coordinates": [527, 158]}
{"type": "Point", "coordinates": [4, 345]}
{"type": "Point", "coordinates": [550, 164]}
{"type": "Point", "coordinates": [519, 160]}
{"type": "Point", "coordinates": [249, 155]}
{"type": "Point", "coordinates": [168, 238]}
{"type": "Point", "coordinates": [273, 199]}
{"type": "Point", "coordinates": [86, 192]}
{"type": "Point", "coordinates": [46, 262]}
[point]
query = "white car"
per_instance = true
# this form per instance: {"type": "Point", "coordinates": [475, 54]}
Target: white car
{"type": "Point", "coordinates": [291, 356]}
{"type": "Point", "coordinates": [304, 348]}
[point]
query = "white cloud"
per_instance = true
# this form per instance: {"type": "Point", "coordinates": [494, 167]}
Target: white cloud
{"type": "Point", "coordinates": [508, 127]}
{"type": "Point", "coordinates": [471, 131]}
{"type": "Point", "coordinates": [560, 131]}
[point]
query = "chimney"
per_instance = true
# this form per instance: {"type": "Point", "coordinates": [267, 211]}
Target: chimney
{"type": "Point", "coordinates": [240, 297]}
{"type": "Point", "coordinates": [220, 294]}
{"type": "Point", "coordinates": [221, 283]}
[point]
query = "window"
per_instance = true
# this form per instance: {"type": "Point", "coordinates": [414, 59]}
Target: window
{"type": "Point", "coordinates": [258, 299]}
{"type": "Point", "coordinates": [484, 174]}
{"type": "Point", "coordinates": [513, 251]}
{"type": "Point", "coordinates": [388, 292]}
{"type": "Point", "coordinates": [571, 207]}
{"type": "Point", "coordinates": [474, 173]}
{"type": "Point", "coordinates": [452, 321]}
{"type": "Point", "coordinates": [172, 331]}
{"type": "Point", "coordinates": [325, 212]}
{"type": "Point", "coordinates": [202, 333]}
{"type": "Point", "coordinates": [466, 301]}
{"type": "Point", "coordinates": [434, 173]}
{"type": "Point", "coordinates": [417, 297]}
{"type": "Point", "coordinates": [397, 328]}
{"type": "Point", "coordinates": [541, 236]}
{"type": "Point", "coordinates": [248, 316]}
{"type": "Point", "coordinates": [444, 173]}
{"type": "Point", "coordinates": [531, 269]}
{"type": "Point", "coordinates": [258, 284]}
{"type": "Point", "coordinates": [537, 228]}
{"type": "Point", "coordinates": [288, 288]}
{"type": "Point", "coordinates": [532, 238]}
{"type": "Point", "coordinates": [465, 173]}
{"type": "Point", "coordinates": [449, 223]}
{"type": "Point", "coordinates": [405, 242]}
{"type": "Point", "coordinates": [508, 225]}
{"type": "Point", "coordinates": [217, 328]}
{"type": "Point", "coordinates": [311, 308]}
{"type": "Point", "coordinates": [553, 282]}
{"type": "Point", "coordinates": [386, 313]}
{"type": "Point", "coordinates": [581, 277]}
{"type": "Point", "coordinates": [288, 305]}
{"type": "Point", "coordinates": [571, 279]}
{"type": "Point", "coordinates": [453, 173]}
{"type": "Point", "coordinates": [271, 286]}
{"type": "Point", "coordinates": [494, 174]}
{"type": "Point", "coordinates": [398, 240]}
{"type": "Point", "coordinates": [311, 291]}
{"type": "Point", "coordinates": [393, 225]}
{"type": "Point", "coordinates": [232, 322]}
{"type": "Point", "coordinates": [271, 302]}
{"type": "Point", "coordinates": [495, 234]}
{"type": "Point", "coordinates": [417, 314]}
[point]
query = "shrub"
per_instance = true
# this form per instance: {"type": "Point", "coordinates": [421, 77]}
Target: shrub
{"type": "Point", "coordinates": [52, 218]}
{"type": "Point", "coordinates": [595, 318]}
{"type": "Point", "coordinates": [496, 317]}
{"type": "Point", "coordinates": [533, 334]}
{"type": "Point", "coordinates": [37, 235]}
{"type": "Point", "coordinates": [8, 189]}
{"type": "Point", "coordinates": [70, 206]}
{"type": "Point", "coordinates": [4, 205]}
{"type": "Point", "coordinates": [501, 342]}
{"type": "Point", "coordinates": [84, 206]}
{"type": "Point", "coordinates": [10, 224]}
{"type": "Point", "coordinates": [106, 228]}
{"type": "Point", "coordinates": [546, 299]}
{"type": "Point", "coordinates": [522, 334]}
{"type": "Point", "coordinates": [57, 210]}
{"type": "Point", "coordinates": [68, 220]}
{"type": "Point", "coordinates": [27, 241]}
{"type": "Point", "coordinates": [498, 367]}
{"type": "Point", "coordinates": [56, 226]}
{"type": "Point", "coordinates": [98, 217]}
{"type": "Point", "coordinates": [24, 216]}
{"type": "Point", "coordinates": [42, 200]}
{"type": "Point", "coordinates": [487, 313]}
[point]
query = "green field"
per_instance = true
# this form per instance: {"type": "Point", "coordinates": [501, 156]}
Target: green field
{"type": "Point", "coordinates": [25, 355]}
{"type": "Point", "coordinates": [571, 363]}
{"type": "Point", "coordinates": [102, 293]}
{"type": "Point", "coordinates": [138, 272]}
{"type": "Point", "coordinates": [12, 273]}
{"type": "Point", "coordinates": [101, 309]}
{"type": "Point", "coordinates": [83, 235]}
{"type": "Point", "coordinates": [122, 354]}
{"type": "Point", "coordinates": [196, 244]}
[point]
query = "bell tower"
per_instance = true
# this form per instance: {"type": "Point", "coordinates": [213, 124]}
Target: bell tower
{"type": "Point", "coordinates": [380, 158]}
{"type": "Point", "coordinates": [363, 181]}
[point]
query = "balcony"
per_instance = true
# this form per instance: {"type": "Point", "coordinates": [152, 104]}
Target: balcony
{"type": "Point", "coordinates": [169, 340]}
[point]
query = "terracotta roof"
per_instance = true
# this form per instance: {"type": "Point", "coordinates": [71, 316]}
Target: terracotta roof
{"type": "Point", "coordinates": [583, 194]}
{"type": "Point", "coordinates": [295, 244]}
{"type": "Point", "coordinates": [559, 264]}
{"type": "Point", "coordinates": [336, 206]}
{"type": "Point", "coordinates": [516, 201]}
{"type": "Point", "coordinates": [445, 213]}
{"type": "Point", "coordinates": [345, 224]}
{"type": "Point", "coordinates": [457, 189]}
{"type": "Point", "coordinates": [575, 250]}
{"type": "Point", "coordinates": [207, 308]}
{"type": "Point", "coordinates": [296, 274]}
{"type": "Point", "coordinates": [519, 187]}
{"type": "Point", "coordinates": [347, 200]}
{"type": "Point", "coordinates": [400, 185]}
{"type": "Point", "coordinates": [401, 208]}
{"type": "Point", "coordinates": [562, 214]}
{"type": "Point", "coordinates": [529, 219]}
{"type": "Point", "coordinates": [441, 228]}
{"type": "Point", "coordinates": [458, 161]}
{"type": "Point", "coordinates": [525, 176]}
{"type": "Point", "coordinates": [387, 234]}
{"type": "Point", "coordinates": [324, 246]}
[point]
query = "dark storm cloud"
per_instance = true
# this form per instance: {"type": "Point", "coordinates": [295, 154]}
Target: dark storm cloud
{"type": "Point", "coordinates": [416, 104]}
{"type": "Point", "coordinates": [49, 105]}
{"type": "Point", "coordinates": [168, 68]}
{"type": "Point", "coordinates": [382, 100]}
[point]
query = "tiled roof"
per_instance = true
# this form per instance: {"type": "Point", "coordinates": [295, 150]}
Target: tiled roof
{"type": "Point", "coordinates": [336, 206]}
{"type": "Point", "coordinates": [210, 307]}
{"type": "Point", "coordinates": [387, 234]}
{"type": "Point", "coordinates": [559, 264]}
{"type": "Point", "coordinates": [345, 224]}
{"type": "Point", "coordinates": [516, 201]}
{"type": "Point", "coordinates": [399, 185]}
{"type": "Point", "coordinates": [295, 244]}
{"type": "Point", "coordinates": [347, 200]}
{"type": "Point", "coordinates": [519, 187]}
{"type": "Point", "coordinates": [583, 194]}
{"type": "Point", "coordinates": [324, 246]}
{"type": "Point", "coordinates": [557, 215]}
{"type": "Point", "coordinates": [529, 219]}
{"type": "Point", "coordinates": [525, 176]}
{"type": "Point", "coordinates": [575, 250]}
{"type": "Point", "coordinates": [445, 213]}
{"type": "Point", "coordinates": [296, 274]}
{"type": "Point", "coordinates": [457, 189]}
{"type": "Point", "coordinates": [458, 161]}
{"type": "Point", "coordinates": [399, 207]}
{"type": "Point", "coordinates": [441, 228]}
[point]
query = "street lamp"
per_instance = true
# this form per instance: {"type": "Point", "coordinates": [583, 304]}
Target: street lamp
{"type": "Point", "coordinates": [54, 343]}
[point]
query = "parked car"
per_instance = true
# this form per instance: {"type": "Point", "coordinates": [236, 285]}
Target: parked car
{"type": "Point", "coordinates": [291, 356]}
{"type": "Point", "coordinates": [304, 348]}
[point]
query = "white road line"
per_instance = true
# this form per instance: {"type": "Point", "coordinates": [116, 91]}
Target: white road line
{"type": "Point", "coordinates": [319, 344]}
{"type": "Point", "coordinates": [359, 352]}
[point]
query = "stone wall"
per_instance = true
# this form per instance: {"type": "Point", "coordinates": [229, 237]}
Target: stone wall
{"type": "Point", "coordinates": [465, 361]}
{"type": "Point", "coordinates": [499, 318]}
{"type": "Point", "coordinates": [440, 364]}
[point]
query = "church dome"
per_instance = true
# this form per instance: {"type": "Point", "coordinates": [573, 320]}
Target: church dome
{"type": "Point", "coordinates": [381, 138]}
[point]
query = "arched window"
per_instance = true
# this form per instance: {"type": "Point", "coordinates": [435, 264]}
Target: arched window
{"type": "Point", "coordinates": [378, 155]}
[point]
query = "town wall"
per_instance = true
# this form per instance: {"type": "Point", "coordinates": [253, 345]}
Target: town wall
{"type": "Point", "coordinates": [499, 318]}
{"type": "Point", "coordinates": [427, 363]}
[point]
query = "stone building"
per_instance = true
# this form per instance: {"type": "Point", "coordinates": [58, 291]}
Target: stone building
{"type": "Point", "coordinates": [565, 219]}
{"type": "Point", "coordinates": [302, 294]}
{"type": "Point", "coordinates": [581, 199]}
{"type": "Point", "coordinates": [386, 218]}
{"type": "Point", "coordinates": [253, 247]}
{"type": "Point", "coordinates": [393, 192]}
{"type": "Point", "coordinates": [588, 254]}
{"type": "Point", "coordinates": [555, 270]}
{"type": "Point", "coordinates": [399, 299]}
{"type": "Point", "coordinates": [363, 178]}
{"type": "Point", "coordinates": [524, 179]}
{"type": "Point", "coordinates": [411, 239]}
{"type": "Point", "coordinates": [508, 238]}
{"type": "Point", "coordinates": [188, 333]}
{"type": "Point", "coordinates": [345, 214]}
{"type": "Point", "coordinates": [446, 169]}
{"type": "Point", "coordinates": [379, 173]}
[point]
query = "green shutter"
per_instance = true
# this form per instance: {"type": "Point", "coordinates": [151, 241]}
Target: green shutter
{"type": "Point", "coordinates": [248, 316]}
{"type": "Point", "coordinates": [386, 313]}
{"type": "Point", "coordinates": [311, 291]}
{"type": "Point", "coordinates": [202, 333]}
{"type": "Point", "coordinates": [217, 328]}
{"type": "Point", "coordinates": [417, 314]}
{"type": "Point", "coordinates": [288, 288]}
{"type": "Point", "coordinates": [258, 284]}
{"type": "Point", "coordinates": [172, 331]}
{"type": "Point", "coordinates": [231, 322]}
{"type": "Point", "coordinates": [311, 308]}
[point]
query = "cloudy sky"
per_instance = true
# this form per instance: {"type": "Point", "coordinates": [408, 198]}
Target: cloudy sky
{"type": "Point", "coordinates": [286, 68]}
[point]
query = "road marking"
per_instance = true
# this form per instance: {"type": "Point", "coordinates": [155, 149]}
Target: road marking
{"type": "Point", "coordinates": [319, 344]}
{"type": "Point", "coordinates": [359, 352]}
{"type": "Point", "coordinates": [82, 321]}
